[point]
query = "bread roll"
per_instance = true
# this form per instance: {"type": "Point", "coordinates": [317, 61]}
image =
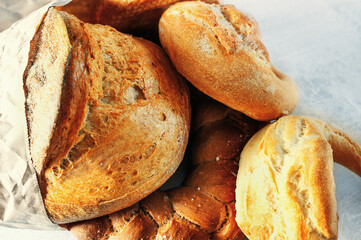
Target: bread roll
{"type": "Point", "coordinates": [219, 50]}
{"type": "Point", "coordinates": [108, 117]}
{"type": "Point", "coordinates": [203, 208]}
{"type": "Point", "coordinates": [285, 185]}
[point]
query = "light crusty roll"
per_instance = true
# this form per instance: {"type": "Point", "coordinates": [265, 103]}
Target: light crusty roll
{"type": "Point", "coordinates": [219, 50]}
{"type": "Point", "coordinates": [285, 184]}
{"type": "Point", "coordinates": [203, 208]}
{"type": "Point", "coordinates": [108, 117]}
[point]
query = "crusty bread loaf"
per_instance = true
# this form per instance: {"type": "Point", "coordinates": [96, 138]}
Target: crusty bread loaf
{"type": "Point", "coordinates": [108, 117]}
{"type": "Point", "coordinates": [285, 185]}
{"type": "Point", "coordinates": [84, 10]}
{"type": "Point", "coordinates": [130, 16]}
{"type": "Point", "coordinates": [219, 50]}
{"type": "Point", "coordinates": [203, 208]}
{"type": "Point", "coordinates": [133, 15]}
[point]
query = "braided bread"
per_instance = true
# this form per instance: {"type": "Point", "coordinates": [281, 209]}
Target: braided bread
{"type": "Point", "coordinates": [203, 207]}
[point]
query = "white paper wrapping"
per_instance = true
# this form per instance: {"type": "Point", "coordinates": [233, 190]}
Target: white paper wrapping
{"type": "Point", "coordinates": [20, 199]}
{"type": "Point", "coordinates": [318, 43]}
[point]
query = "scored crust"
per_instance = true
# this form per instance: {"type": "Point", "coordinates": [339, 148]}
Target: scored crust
{"type": "Point", "coordinates": [219, 50]}
{"type": "Point", "coordinates": [121, 125]}
{"type": "Point", "coordinates": [285, 185]}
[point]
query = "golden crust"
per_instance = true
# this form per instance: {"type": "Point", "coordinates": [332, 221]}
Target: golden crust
{"type": "Point", "coordinates": [218, 49]}
{"type": "Point", "coordinates": [92, 229]}
{"type": "Point", "coordinates": [285, 185]}
{"type": "Point", "coordinates": [121, 127]}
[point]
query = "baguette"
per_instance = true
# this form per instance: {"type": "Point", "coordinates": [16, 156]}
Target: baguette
{"type": "Point", "coordinates": [285, 184]}
{"type": "Point", "coordinates": [219, 50]}
{"type": "Point", "coordinates": [203, 208]}
{"type": "Point", "coordinates": [108, 117]}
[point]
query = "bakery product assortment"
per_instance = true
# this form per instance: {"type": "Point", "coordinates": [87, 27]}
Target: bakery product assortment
{"type": "Point", "coordinates": [109, 120]}
{"type": "Point", "coordinates": [219, 50]}
{"type": "Point", "coordinates": [203, 207]}
{"type": "Point", "coordinates": [285, 185]}
{"type": "Point", "coordinates": [108, 117]}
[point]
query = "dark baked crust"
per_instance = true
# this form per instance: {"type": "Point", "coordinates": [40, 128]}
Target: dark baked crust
{"type": "Point", "coordinates": [83, 10]}
{"type": "Point", "coordinates": [131, 16]}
